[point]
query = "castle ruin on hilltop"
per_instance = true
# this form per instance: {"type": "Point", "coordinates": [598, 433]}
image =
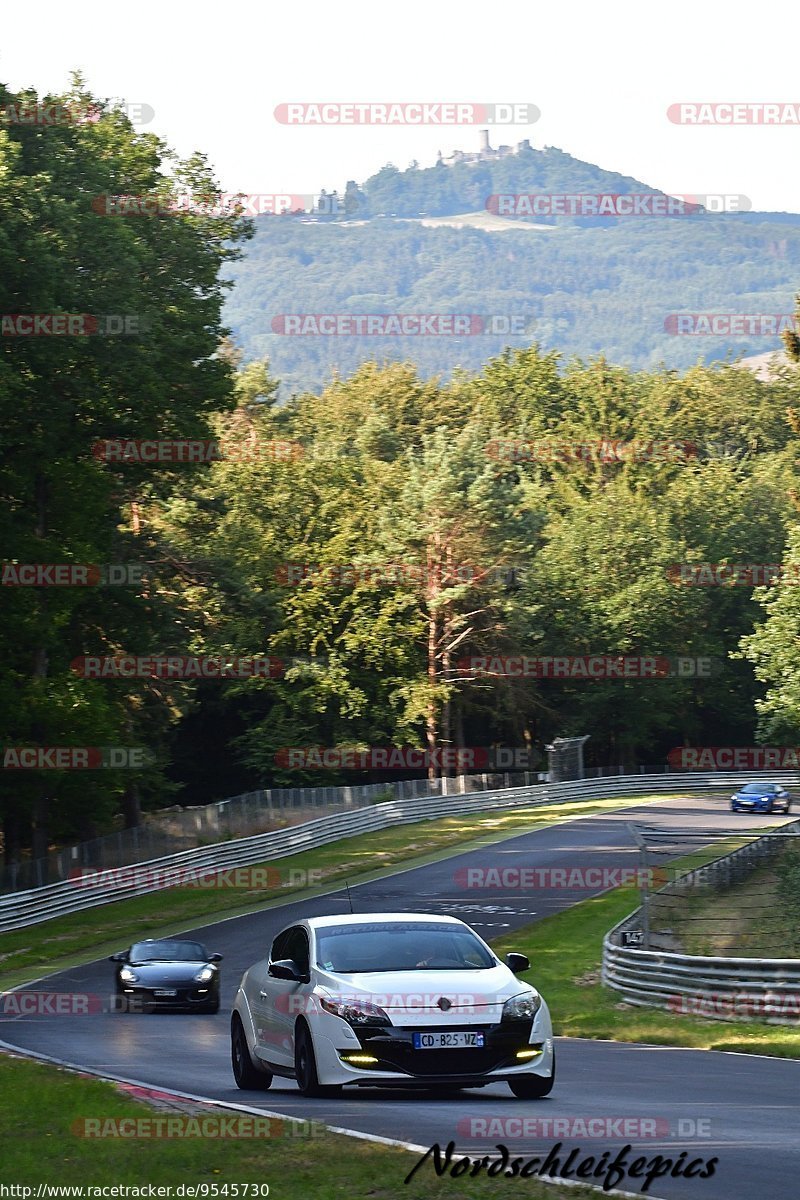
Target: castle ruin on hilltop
{"type": "Point", "coordinates": [485, 154]}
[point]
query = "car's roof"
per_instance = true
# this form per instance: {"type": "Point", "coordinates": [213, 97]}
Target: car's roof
{"type": "Point", "coordinates": [368, 918]}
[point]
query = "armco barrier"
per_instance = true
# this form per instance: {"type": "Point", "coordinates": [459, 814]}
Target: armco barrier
{"type": "Point", "coordinates": [172, 830]}
{"type": "Point", "coordinates": [58, 899]}
{"type": "Point", "coordinates": [721, 988]}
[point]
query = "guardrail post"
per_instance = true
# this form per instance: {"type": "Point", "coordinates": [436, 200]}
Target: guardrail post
{"type": "Point", "coordinates": [644, 892]}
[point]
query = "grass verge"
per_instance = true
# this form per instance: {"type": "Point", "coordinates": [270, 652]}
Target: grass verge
{"type": "Point", "coordinates": [565, 952]}
{"type": "Point", "coordinates": [40, 1104]}
{"type": "Point", "coordinates": [64, 942]}
{"type": "Point", "coordinates": [751, 919]}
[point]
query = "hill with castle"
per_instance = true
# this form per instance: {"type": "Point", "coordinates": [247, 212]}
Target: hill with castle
{"type": "Point", "coordinates": [423, 240]}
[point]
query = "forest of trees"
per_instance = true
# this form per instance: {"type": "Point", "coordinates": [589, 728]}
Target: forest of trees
{"type": "Point", "coordinates": [582, 291]}
{"type": "Point", "coordinates": [585, 286]}
{"type": "Point", "coordinates": [573, 553]}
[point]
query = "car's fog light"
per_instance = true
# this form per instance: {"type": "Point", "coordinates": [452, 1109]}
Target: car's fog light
{"type": "Point", "coordinates": [530, 1052]}
{"type": "Point", "coordinates": [358, 1060]}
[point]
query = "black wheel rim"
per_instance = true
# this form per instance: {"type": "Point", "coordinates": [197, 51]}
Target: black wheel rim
{"type": "Point", "coordinates": [302, 1062]}
{"type": "Point", "coordinates": [238, 1059]}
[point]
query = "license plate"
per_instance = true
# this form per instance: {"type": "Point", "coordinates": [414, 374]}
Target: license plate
{"type": "Point", "coordinates": [447, 1041]}
{"type": "Point", "coordinates": [165, 992]}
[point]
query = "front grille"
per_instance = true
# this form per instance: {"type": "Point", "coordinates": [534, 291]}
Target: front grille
{"type": "Point", "coordinates": [182, 995]}
{"type": "Point", "coordinates": [394, 1049]}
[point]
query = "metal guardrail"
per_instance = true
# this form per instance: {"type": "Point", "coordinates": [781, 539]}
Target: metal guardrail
{"type": "Point", "coordinates": [171, 830]}
{"type": "Point", "coordinates": [31, 907]}
{"type": "Point", "coordinates": [718, 987]}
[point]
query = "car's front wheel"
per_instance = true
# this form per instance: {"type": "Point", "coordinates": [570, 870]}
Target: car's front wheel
{"type": "Point", "coordinates": [533, 1087]}
{"type": "Point", "coordinates": [247, 1077]}
{"type": "Point", "coordinates": [305, 1065]}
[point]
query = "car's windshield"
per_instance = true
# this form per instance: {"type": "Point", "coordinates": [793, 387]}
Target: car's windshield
{"type": "Point", "coordinates": [759, 788]}
{"type": "Point", "coordinates": [167, 951]}
{"type": "Point", "coordinates": [400, 946]}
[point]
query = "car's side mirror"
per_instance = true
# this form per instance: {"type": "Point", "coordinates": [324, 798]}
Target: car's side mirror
{"type": "Point", "coordinates": [121, 957]}
{"type": "Point", "coordinates": [215, 957]}
{"type": "Point", "coordinates": [518, 963]}
{"type": "Point", "coordinates": [285, 968]}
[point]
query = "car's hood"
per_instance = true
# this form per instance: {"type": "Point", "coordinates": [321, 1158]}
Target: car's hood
{"type": "Point", "coordinates": [159, 972]}
{"type": "Point", "coordinates": [471, 995]}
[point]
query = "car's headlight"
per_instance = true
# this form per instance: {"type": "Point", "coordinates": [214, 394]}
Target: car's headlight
{"type": "Point", "coordinates": [204, 975]}
{"type": "Point", "coordinates": [127, 975]}
{"type": "Point", "coordinates": [522, 1007]}
{"type": "Point", "coordinates": [354, 1011]}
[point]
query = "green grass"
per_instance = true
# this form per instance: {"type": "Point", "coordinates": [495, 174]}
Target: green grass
{"type": "Point", "coordinates": [64, 942]}
{"type": "Point", "coordinates": [40, 1104]}
{"type": "Point", "coordinates": [565, 952]}
{"type": "Point", "coordinates": [747, 920]}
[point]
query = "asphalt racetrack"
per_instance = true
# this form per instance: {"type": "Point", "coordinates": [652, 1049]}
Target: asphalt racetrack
{"type": "Point", "coordinates": [743, 1109]}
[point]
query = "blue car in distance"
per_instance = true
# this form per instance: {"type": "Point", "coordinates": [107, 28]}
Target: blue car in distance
{"type": "Point", "coordinates": [761, 797]}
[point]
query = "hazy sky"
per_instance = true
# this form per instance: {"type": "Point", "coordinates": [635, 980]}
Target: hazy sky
{"type": "Point", "coordinates": [602, 75]}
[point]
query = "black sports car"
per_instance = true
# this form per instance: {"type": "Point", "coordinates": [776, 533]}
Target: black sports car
{"type": "Point", "coordinates": [167, 973]}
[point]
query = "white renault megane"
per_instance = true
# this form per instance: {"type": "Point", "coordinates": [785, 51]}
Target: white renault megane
{"type": "Point", "coordinates": [389, 1000]}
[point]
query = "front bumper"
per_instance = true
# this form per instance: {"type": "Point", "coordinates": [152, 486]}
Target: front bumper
{"type": "Point", "coordinates": [185, 997]}
{"type": "Point", "coordinates": [400, 1065]}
